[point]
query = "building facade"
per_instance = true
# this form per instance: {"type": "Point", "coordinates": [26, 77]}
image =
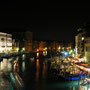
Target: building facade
{"type": "Point", "coordinates": [79, 42]}
{"type": "Point", "coordinates": [87, 49]}
{"type": "Point", "coordinates": [5, 42]}
{"type": "Point", "coordinates": [82, 42]}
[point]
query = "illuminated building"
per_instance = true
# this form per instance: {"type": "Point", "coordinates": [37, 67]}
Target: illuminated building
{"type": "Point", "coordinates": [5, 42]}
{"type": "Point", "coordinates": [87, 48]}
{"type": "Point", "coordinates": [82, 42]}
{"type": "Point", "coordinates": [79, 42]}
{"type": "Point", "coordinates": [15, 45]}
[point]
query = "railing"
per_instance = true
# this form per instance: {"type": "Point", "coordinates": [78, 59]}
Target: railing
{"type": "Point", "coordinates": [16, 81]}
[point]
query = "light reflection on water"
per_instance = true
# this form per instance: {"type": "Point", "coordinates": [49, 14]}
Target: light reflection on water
{"type": "Point", "coordinates": [43, 70]}
{"type": "Point", "coordinates": [23, 66]}
{"type": "Point", "coordinates": [37, 70]}
{"type": "Point", "coordinates": [35, 75]}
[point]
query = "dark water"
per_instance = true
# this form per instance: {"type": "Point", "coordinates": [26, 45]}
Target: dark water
{"type": "Point", "coordinates": [37, 76]}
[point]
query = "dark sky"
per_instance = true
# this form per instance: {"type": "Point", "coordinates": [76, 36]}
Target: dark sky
{"type": "Point", "coordinates": [48, 22]}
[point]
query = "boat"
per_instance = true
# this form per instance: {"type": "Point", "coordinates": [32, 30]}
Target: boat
{"type": "Point", "coordinates": [72, 77]}
{"type": "Point", "coordinates": [68, 71]}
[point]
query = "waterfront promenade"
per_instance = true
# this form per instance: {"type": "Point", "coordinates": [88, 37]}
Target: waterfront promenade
{"type": "Point", "coordinates": [4, 81]}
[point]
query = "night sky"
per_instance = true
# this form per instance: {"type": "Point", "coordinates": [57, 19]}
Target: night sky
{"type": "Point", "coordinates": [47, 22]}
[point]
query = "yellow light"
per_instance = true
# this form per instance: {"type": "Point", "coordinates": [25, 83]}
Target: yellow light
{"type": "Point", "coordinates": [37, 50]}
{"type": "Point", "coordinates": [23, 49]}
{"type": "Point", "coordinates": [37, 54]}
{"type": "Point", "coordinates": [45, 48]}
{"type": "Point", "coordinates": [17, 49]}
{"type": "Point", "coordinates": [59, 47]}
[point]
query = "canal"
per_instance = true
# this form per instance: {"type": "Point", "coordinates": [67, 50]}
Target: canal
{"type": "Point", "coordinates": [36, 75]}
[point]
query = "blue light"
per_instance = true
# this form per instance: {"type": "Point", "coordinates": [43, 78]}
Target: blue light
{"type": "Point", "coordinates": [66, 53]}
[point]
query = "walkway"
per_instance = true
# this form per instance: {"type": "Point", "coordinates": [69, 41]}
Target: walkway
{"type": "Point", "coordinates": [4, 82]}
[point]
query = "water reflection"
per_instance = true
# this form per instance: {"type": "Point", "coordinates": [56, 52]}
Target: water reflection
{"type": "Point", "coordinates": [23, 57]}
{"type": "Point", "coordinates": [37, 69]}
{"type": "Point", "coordinates": [9, 66]}
{"type": "Point", "coordinates": [36, 75]}
{"type": "Point", "coordinates": [23, 66]}
{"type": "Point", "coordinates": [43, 70]}
{"type": "Point", "coordinates": [5, 65]}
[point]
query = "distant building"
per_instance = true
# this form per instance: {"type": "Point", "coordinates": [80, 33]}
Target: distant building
{"type": "Point", "coordinates": [42, 45]}
{"type": "Point", "coordinates": [23, 41]}
{"type": "Point", "coordinates": [35, 45]}
{"type": "Point", "coordinates": [28, 41]}
{"type": "Point", "coordinates": [5, 42]}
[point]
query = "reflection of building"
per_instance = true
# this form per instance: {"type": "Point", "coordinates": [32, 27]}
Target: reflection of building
{"type": "Point", "coordinates": [5, 42]}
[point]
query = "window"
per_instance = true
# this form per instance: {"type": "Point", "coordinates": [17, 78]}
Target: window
{"type": "Point", "coordinates": [2, 39]}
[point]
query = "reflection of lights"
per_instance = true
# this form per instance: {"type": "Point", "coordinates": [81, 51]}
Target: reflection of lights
{"type": "Point", "coordinates": [5, 63]}
{"type": "Point", "coordinates": [9, 66]}
{"type": "Point", "coordinates": [66, 53]}
{"type": "Point", "coordinates": [43, 71]}
{"type": "Point", "coordinates": [37, 50]}
{"type": "Point", "coordinates": [44, 53]}
{"type": "Point", "coordinates": [59, 47]}
{"type": "Point", "coordinates": [37, 67]}
{"type": "Point", "coordinates": [17, 49]}
{"type": "Point", "coordinates": [23, 66]}
{"type": "Point", "coordinates": [37, 54]}
{"type": "Point", "coordinates": [23, 49]}
{"type": "Point", "coordinates": [2, 65]}
{"type": "Point", "coordinates": [37, 60]}
{"type": "Point", "coordinates": [23, 57]}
